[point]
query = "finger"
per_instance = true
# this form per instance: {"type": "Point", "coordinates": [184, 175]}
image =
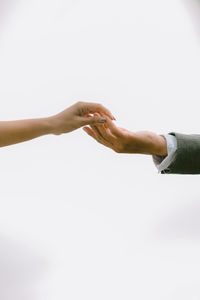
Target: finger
{"type": "Point", "coordinates": [97, 107]}
{"type": "Point", "coordinates": [90, 120]}
{"type": "Point", "coordinates": [93, 134]}
{"type": "Point", "coordinates": [104, 132]}
{"type": "Point", "coordinates": [100, 115]}
{"type": "Point", "coordinates": [100, 137]}
{"type": "Point", "coordinates": [113, 128]}
{"type": "Point", "coordinates": [89, 131]}
{"type": "Point", "coordinates": [97, 133]}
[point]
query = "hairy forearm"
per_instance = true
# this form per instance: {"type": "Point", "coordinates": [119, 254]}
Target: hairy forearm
{"type": "Point", "coordinates": [13, 132]}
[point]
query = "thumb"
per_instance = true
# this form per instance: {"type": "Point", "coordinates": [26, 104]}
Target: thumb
{"type": "Point", "coordinates": [90, 120]}
{"type": "Point", "coordinates": [113, 128]}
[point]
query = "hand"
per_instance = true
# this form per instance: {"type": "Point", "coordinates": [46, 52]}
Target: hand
{"type": "Point", "coordinates": [123, 141]}
{"type": "Point", "coordinates": [79, 115]}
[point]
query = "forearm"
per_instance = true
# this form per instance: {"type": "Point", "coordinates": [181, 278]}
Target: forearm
{"type": "Point", "coordinates": [13, 132]}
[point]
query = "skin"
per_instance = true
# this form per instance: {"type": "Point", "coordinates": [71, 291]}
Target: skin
{"type": "Point", "coordinates": [72, 118]}
{"type": "Point", "coordinates": [121, 140]}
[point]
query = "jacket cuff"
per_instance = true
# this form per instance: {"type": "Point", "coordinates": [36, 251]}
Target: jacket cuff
{"type": "Point", "coordinates": [187, 155]}
{"type": "Point", "coordinates": [162, 162]}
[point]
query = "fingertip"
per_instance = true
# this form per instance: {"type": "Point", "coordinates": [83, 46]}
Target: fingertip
{"type": "Point", "coordinates": [102, 120]}
{"type": "Point", "coordinates": [85, 128]}
{"type": "Point", "coordinates": [110, 116]}
{"type": "Point", "coordinates": [109, 120]}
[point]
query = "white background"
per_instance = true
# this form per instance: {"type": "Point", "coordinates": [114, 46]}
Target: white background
{"type": "Point", "coordinates": [78, 221]}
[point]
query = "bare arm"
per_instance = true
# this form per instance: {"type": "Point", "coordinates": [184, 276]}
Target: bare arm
{"type": "Point", "coordinates": [72, 118]}
{"type": "Point", "coordinates": [13, 132]}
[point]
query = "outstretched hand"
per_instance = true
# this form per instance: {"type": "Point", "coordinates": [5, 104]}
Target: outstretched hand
{"type": "Point", "coordinates": [123, 141]}
{"type": "Point", "coordinates": [78, 115]}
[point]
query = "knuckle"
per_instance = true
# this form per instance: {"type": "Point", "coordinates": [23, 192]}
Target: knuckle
{"type": "Point", "coordinates": [99, 105]}
{"type": "Point", "coordinates": [92, 121]}
{"type": "Point", "coordinates": [95, 120]}
{"type": "Point", "coordinates": [79, 103]}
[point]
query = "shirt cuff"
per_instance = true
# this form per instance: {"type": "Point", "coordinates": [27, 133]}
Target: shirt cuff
{"type": "Point", "coordinates": [163, 162]}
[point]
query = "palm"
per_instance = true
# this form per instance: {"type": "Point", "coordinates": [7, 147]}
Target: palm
{"type": "Point", "coordinates": [122, 140]}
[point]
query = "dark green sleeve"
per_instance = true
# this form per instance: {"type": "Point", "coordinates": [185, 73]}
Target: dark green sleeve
{"type": "Point", "coordinates": [187, 160]}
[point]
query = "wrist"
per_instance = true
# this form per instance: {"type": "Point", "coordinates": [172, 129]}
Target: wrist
{"type": "Point", "coordinates": [162, 149]}
{"type": "Point", "coordinates": [146, 142]}
{"type": "Point", "coordinates": [49, 125]}
{"type": "Point", "coordinates": [157, 145]}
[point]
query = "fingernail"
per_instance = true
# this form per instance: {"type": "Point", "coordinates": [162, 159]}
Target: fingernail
{"type": "Point", "coordinates": [101, 120]}
{"type": "Point", "coordinates": [113, 118]}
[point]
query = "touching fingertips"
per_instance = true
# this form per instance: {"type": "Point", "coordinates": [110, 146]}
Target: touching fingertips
{"type": "Point", "coordinates": [102, 120]}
